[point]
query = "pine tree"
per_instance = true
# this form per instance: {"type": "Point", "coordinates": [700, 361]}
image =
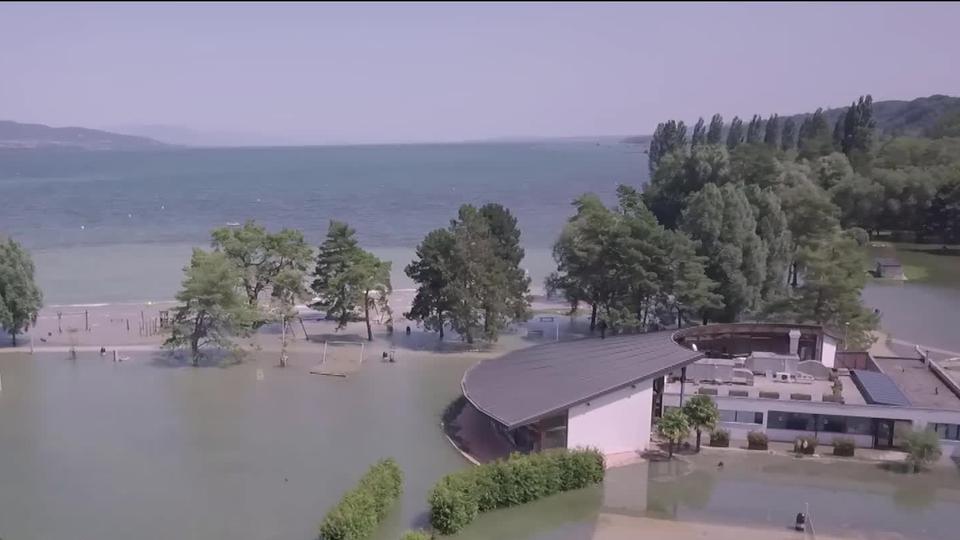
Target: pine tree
{"type": "Point", "coordinates": [715, 133]}
{"type": "Point", "coordinates": [335, 282]}
{"type": "Point", "coordinates": [699, 133]}
{"type": "Point", "coordinates": [771, 136]}
{"type": "Point", "coordinates": [735, 134]}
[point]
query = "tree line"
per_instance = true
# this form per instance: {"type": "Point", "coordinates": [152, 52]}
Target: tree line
{"type": "Point", "coordinates": [468, 275]}
{"type": "Point", "coordinates": [756, 220]}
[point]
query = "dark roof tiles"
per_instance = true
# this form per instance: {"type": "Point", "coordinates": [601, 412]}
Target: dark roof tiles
{"type": "Point", "coordinates": [529, 384]}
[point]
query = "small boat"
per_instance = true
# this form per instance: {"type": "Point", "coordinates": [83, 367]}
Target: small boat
{"type": "Point", "coordinates": [232, 224]}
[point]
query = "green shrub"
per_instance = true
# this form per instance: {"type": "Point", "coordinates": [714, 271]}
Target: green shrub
{"type": "Point", "coordinates": [844, 446]}
{"type": "Point", "coordinates": [805, 445]}
{"type": "Point", "coordinates": [416, 535]}
{"type": "Point", "coordinates": [923, 448]}
{"type": "Point", "coordinates": [457, 498]}
{"type": "Point", "coordinates": [720, 438]}
{"type": "Point", "coordinates": [757, 440]}
{"type": "Point", "coordinates": [361, 509]}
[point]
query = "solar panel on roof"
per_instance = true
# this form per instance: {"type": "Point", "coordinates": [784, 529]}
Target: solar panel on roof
{"type": "Point", "coordinates": [878, 388]}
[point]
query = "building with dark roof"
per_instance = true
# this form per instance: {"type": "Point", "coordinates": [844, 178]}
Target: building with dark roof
{"type": "Point", "coordinates": [785, 379]}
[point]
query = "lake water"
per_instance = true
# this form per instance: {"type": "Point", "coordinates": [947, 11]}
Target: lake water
{"type": "Point", "coordinates": [119, 226]}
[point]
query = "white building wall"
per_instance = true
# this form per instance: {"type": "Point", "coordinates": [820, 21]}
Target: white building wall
{"type": "Point", "coordinates": [920, 417]}
{"type": "Point", "coordinates": [828, 351]}
{"type": "Point", "coordinates": [613, 423]}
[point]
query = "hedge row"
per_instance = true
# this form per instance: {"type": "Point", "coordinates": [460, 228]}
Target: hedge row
{"type": "Point", "coordinates": [457, 498]}
{"type": "Point", "coordinates": [361, 509]}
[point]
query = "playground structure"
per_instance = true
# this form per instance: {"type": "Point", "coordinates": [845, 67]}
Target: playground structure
{"type": "Point", "coordinates": [340, 358]}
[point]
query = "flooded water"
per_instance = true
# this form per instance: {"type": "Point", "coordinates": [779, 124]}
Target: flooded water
{"type": "Point", "coordinates": [90, 449]}
{"type": "Point", "coordinates": [924, 308]}
{"type": "Point", "coordinates": [96, 450]}
{"type": "Point", "coordinates": [845, 499]}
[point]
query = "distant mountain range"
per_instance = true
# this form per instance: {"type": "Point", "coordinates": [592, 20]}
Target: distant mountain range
{"type": "Point", "coordinates": [17, 135]}
{"type": "Point", "coordinates": [186, 136]}
{"type": "Point", "coordinates": [894, 117]}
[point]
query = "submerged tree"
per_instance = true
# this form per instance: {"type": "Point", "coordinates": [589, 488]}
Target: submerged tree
{"type": "Point", "coordinates": [432, 270]}
{"type": "Point", "coordinates": [261, 256]}
{"type": "Point", "coordinates": [701, 413]}
{"type": "Point", "coordinates": [211, 309]}
{"type": "Point", "coordinates": [923, 448]}
{"type": "Point", "coordinates": [674, 426]}
{"type": "Point", "coordinates": [335, 280]}
{"type": "Point", "coordinates": [20, 298]}
{"type": "Point", "coordinates": [469, 275]}
{"type": "Point", "coordinates": [347, 277]}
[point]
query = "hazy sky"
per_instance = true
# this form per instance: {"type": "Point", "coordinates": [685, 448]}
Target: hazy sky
{"type": "Point", "coordinates": [432, 72]}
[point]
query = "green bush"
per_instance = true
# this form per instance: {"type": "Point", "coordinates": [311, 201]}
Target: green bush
{"type": "Point", "coordinates": [844, 446]}
{"type": "Point", "coordinates": [757, 440]}
{"type": "Point", "coordinates": [805, 445]}
{"type": "Point", "coordinates": [720, 438]}
{"type": "Point", "coordinates": [416, 535]}
{"type": "Point", "coordinates": [457, 498]}
{"type": "Point", "coordinates": [361, 509]}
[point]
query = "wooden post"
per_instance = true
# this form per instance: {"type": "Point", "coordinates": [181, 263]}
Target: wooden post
{"type": "Point", "coordinates": [143, 324]}
{"type": "Point", "coordinates": [31, 343]}
{"type": "Point", "coordinates": [86, 320]}
{"type": "Point", "coordinates": [128, 326]}
{"type": "Point", "coordinates": [59, 319]}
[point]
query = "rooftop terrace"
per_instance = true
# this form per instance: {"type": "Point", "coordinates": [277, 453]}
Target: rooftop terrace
{"type": "Point", "coordinates": [921, 386]}
{"type": "Point", "coordinates": [772, 389]}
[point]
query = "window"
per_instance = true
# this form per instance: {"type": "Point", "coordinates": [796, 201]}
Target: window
{"type": "Point", "coordinates": [788, 420]}
{"type": "Point", "coordinates": [741, 417]}
{"type": "Point", "coordinates": [948, 431]}
{"type": "Point", "coordinates": [859, 426]}
{"type": "Point", "coordinates": [832, 424]}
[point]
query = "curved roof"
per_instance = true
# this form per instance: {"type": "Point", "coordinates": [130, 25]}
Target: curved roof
{"type": "Point", "coordinates": [526, 385]}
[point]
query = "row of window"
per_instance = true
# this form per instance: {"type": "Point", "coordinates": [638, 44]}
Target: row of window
{"type": "Point", "coordinates": [741, 417]}
{"type": "Point", "coordinates": [827, 423]}
{"type": "Point", "coordinates": [948, 431]}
